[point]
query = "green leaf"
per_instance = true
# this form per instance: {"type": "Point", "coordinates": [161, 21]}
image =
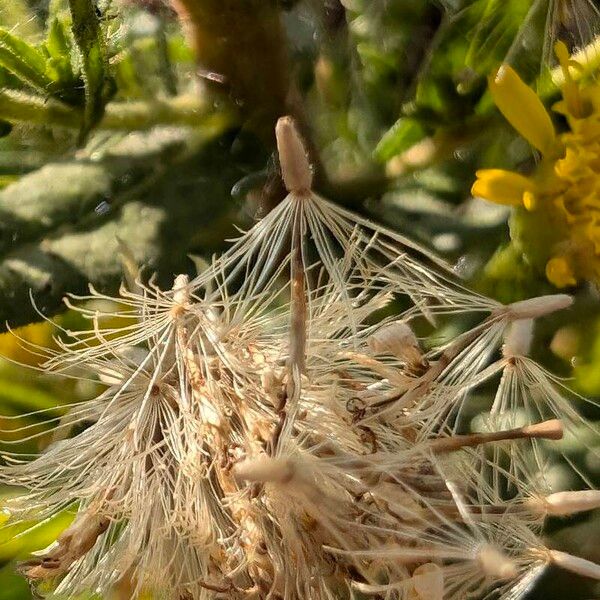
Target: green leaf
{"type": "Point", "coordinates": [126, 76]}
{"type": "Point", "coordinates": [88, 37]}
{"type": "Point", "coordinates": [141, 187]}
{"type": "Point", "coordinates": [27, 398]}
{"type": "Point", "coordinates": [401, 136]}
{"type": "Point", "coordinates": [57, 42]}
{"type": "Point", "coordinates": [59, 50]}
{"type": "Point", "coordinates": [12, 585]}
{"type": "Point", "coordinates": [492, 34]}
{"type": "Point", "coordinates": [17, 541]}
{"type": "Point", "coordinates": [501, 33]}
{"type": "Point", "coordinates": [24, 61]}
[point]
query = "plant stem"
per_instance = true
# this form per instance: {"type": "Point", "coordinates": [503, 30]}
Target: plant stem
{"type": "Point", "coordinates": [297, 358]}
{"type": "Point", "coordinates": [241, 50]}
{"type": "Point", "coordinates": [18, 107]}
{"type": "Point", "coordinates": [548, 430]}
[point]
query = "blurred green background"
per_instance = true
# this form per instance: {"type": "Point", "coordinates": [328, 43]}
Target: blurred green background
{"type": "Point", "coordinates": [152, 122]}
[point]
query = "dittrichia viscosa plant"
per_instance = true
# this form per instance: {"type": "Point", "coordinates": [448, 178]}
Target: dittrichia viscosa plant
{"type": "Point", "coordinates": [265, 432]}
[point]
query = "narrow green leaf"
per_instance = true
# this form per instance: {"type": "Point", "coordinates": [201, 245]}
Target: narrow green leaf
{"type": "Point", "coordinates": [27, 397]}
{"type": "Point", "coordinates": [400, 137]}
{"type": "Point", "coordinates": [17, 541]}
{"type": "Point", "coordinates": [59, 50]}
{"type": "Point", "coordinates": [495, 32]}
{"type": "Point", "coordinates": [88, 37]}
{"type": "Point", "coordinates": [19, 107]}
{"type": "Point", "coordinates": [12, 585]}
{"type": "Point", "coordinates": [57, 42]}
{"type": "Point", "coordinates": [24, 61]}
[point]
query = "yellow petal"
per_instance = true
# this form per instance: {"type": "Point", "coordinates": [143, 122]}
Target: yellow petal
{"type": "Point", "coordinates": [559, 272]}
{"type": "Point", "coordinates": [576, 105]}
{"type": "Point", "coordinates": [501, 187]}
{"type": "Point", "coordinates": [523, 109]}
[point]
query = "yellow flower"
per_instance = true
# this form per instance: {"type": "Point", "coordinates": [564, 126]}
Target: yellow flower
{"type": "Point", "coordinates": [556, 221]}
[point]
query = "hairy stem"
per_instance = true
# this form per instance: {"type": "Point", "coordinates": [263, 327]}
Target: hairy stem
{"type": "Point", "coordinates": [18, 107]}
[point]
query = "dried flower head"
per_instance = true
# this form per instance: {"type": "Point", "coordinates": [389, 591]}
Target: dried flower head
{"type": "Point", "coordinates": [264, 433]}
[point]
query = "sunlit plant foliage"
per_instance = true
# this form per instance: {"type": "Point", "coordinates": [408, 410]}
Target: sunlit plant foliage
{"type": "Point", "coordinates": [285, 347]}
